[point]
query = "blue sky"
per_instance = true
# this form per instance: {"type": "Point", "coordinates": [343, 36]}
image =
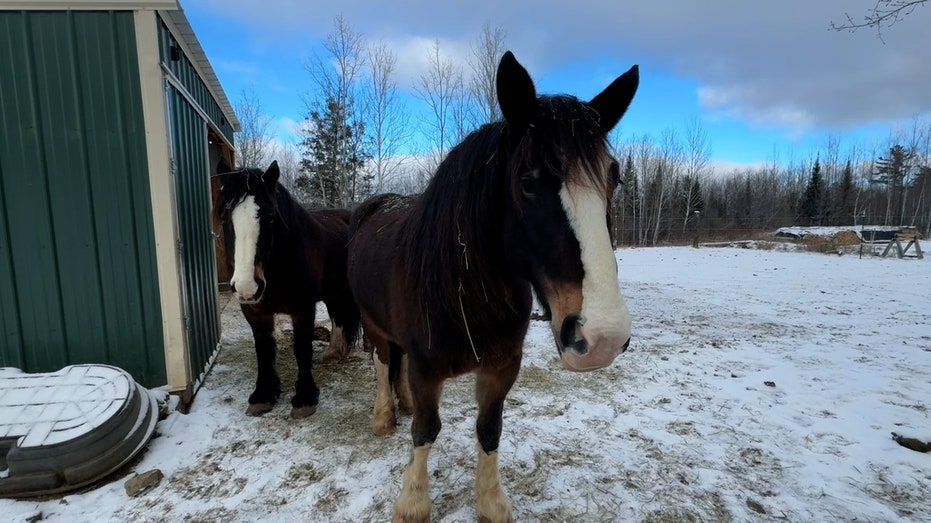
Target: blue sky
{"type": "Point", "coordinates": [767, 81]}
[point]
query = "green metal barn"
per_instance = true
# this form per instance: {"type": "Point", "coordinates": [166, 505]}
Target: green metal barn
{"type": "Point", "coordinates": [111, 120]}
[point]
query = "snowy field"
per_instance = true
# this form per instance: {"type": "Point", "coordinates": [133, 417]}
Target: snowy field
{"type": "Point", "coordinates": [759, 386]}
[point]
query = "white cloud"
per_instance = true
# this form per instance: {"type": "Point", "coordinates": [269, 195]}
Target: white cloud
{"type": "Point", "coordinates": [732, 101]}
{"type": "Point", "coordinates": [414, 54]}
{"type": "Point", "coordinates": [724, 168]}
{"type": "Point", "coordinates": [238, 67]}
{"type": "Point", "coordinates": [288, 129]}
{"type": "Point", "coordinates": [769, 63]}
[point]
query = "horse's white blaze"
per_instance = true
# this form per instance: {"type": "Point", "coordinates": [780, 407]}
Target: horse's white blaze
{"type": "Point", "coordinates": [245, 218]}
{"type": "Point", "coordinates": [604, 312]}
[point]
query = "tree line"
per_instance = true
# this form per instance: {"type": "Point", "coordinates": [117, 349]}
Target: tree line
{"type": "Point", "coordinates": [672, 193]}
{"type": "Point", "coordinates": [357, 130]}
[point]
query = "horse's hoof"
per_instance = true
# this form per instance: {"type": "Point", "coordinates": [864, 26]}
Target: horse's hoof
{"type": "Point", "coordinates": [405, 409]}
{"type": "Point", "coordinates": [486, 519]}
{"type": "Point", "coordinates": [257, 409]}
{"type": "Point", "coordinates": [383, 429]}
{"type": "Point", "coordinates": [332, 356]}
{"type": "Point", "coordinates": [303, 412]}
{"type": "Point", "coordinates": [398, 518]}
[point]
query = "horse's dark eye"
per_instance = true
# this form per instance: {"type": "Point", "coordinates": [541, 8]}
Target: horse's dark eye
{"type": "Point", "coordinates": [528, 187]}
{"type": "Point", "coordinates": [615, 173]}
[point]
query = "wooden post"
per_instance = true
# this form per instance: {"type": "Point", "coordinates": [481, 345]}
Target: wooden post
{"type": "Point", "coordinates": [898, 248]}
{"type": "Point", "coordinates": [918, 253]}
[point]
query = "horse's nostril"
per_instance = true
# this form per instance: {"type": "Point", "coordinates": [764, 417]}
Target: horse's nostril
{"type": "Point", "coordinates": [626, 345]}
{"type": "Point", "coordinates": [567, 333]}
{"type": "Point", "coordinates": [232, 287]}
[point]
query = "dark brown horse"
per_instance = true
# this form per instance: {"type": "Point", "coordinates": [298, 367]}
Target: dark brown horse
{"type": "Point", "coordinates": [445, 279]}
{"type": "Point", "coordinates": [284, 260]}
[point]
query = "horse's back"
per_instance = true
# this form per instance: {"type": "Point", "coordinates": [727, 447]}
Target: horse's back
{"type": "Point", "coordinates": [376, 231]}
{"type": "Point", "coordinates": [325, 247]}
{"type": "Point", "coordinates": [332, 221]}
{"type": "Point", "coordinates": [390, 207]}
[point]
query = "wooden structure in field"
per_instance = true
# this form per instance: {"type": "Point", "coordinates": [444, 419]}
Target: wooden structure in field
{"type": "Point", "coordinates": [911, 238]}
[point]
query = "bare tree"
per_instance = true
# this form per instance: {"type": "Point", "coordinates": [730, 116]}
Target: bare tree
{"type": "Point", "coordinates": [649, 173]}
{"type": "Point", "coordinates": [387, 120]}
{"type": "Point", "coordinates": [486, 52]}
{"type": "Point", "coordinates": [334, 151]}
{"type": "Point", "coordinates": [439, 87]}
{"type": "Point", "coordinates": [336, 73]}
{"type": "Point", "coordinates": [289, 165]}
{"type": "Point", "coordinates": [668, 168]}
{"type": "Point", "coordinates": [885, 13]}
{"type": "Point", "coordinates": [697, 158]}
{"type": "Point", "coordinates": [254, 138]}
{"type": "Point", "coordinates": [831, 172]}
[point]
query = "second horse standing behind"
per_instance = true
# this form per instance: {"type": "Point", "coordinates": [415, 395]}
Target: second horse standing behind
{"type": "Point", "coordinates": [285, 259]}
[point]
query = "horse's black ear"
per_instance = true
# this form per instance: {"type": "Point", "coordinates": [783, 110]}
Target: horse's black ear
{"type": "Point", "coordinates": [223, 167]}
{"type": "Point", "coordinates": [271, 175]}
{"type": "Point", "coordinates": [612, 103]}
{"type": "Point", "coordinates": [517, 96]}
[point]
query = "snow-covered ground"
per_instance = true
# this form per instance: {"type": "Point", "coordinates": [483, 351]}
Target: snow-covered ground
{"type": "Point", "coordinates": [759, 386]}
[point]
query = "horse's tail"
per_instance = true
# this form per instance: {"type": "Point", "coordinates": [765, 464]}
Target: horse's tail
{"type": "Point", "coordinates": [345, 313]}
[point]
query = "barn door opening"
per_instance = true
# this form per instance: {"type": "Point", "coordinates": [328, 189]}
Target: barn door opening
{"type": "Point", "coordinates": [218, 148]}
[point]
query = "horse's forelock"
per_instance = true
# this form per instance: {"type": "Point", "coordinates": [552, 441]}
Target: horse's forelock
{"type": "Point", "coordinates": [248, 181]}
{"type": "Point", "coordinates": [569, 142]}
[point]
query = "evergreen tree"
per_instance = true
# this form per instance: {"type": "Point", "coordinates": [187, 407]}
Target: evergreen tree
{"type": "Point", "coordinates": [334, 157]}
{"type": "Point", "coordinates": [893, 171]}
{"type": "Point", "coordinates": [812, 206]}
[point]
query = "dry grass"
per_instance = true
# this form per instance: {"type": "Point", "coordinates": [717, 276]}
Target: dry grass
{"type": "Point", "coordinates": [846, 238]}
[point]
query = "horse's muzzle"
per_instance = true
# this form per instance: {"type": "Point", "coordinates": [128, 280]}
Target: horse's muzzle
{"type": "Point", "coordinates": [585, 347]}
{"type": "Point", "coordinates": [251, 293]}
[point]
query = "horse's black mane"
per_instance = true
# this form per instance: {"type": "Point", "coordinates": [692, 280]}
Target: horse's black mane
{"type": "Point", "coordinates": [249, 181]}
{"type": "Point", "coordinates": [455, 244]}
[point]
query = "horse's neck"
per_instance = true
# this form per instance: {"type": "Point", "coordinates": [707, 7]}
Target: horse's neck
{"type": "Point", "coordinates": [293, 226]}
{"type": "Point", "coordinates": [470, 271]}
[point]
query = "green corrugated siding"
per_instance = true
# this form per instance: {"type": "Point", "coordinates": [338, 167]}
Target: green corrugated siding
{"type": "Point", "coordinates": [192, 176]}
{"type": "Point", "coordinates": [78, 277]}
{"type": "Point", "coordinates": [186, 73]}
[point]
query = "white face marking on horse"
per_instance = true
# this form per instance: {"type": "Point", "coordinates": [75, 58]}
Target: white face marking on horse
{"type": "Point", "coordinates": [604, 316]}
{"type": "Point", "coordinates": [245, 218]}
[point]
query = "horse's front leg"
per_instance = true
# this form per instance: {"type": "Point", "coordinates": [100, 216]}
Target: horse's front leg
{"type": "Point", "coordinates": [414, 503]}
{"type": "Point", "coordinates": [267, 383]}
{"type": "Point", "coordinates": [306, 392]}
{"type": "Point", "coordinates": [491, 387]}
